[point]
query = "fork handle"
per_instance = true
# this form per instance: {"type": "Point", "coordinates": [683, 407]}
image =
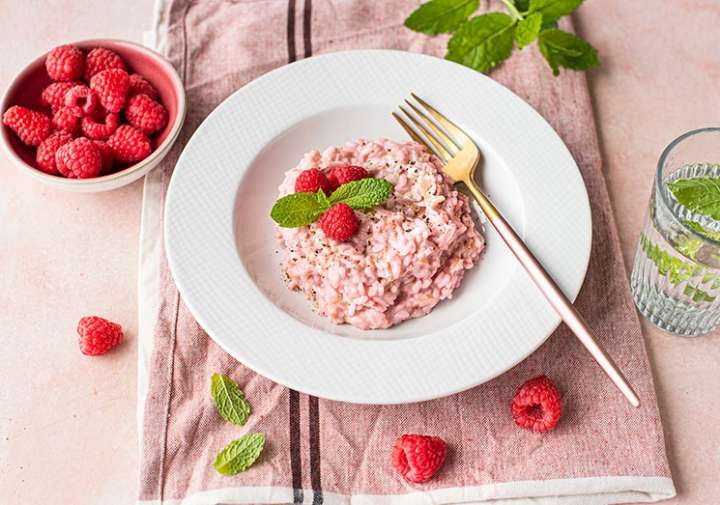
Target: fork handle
{"type": "Point", "coordinates": [552, 292]}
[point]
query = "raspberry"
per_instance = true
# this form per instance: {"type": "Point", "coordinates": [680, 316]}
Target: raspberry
{"type": "Point", "coordinates": [340, 175]}
{"type": "Point", "coordinates": [111, 86]}
{"type": "Point", "coordinates": [138, 84]}
{"type": "Point", "coordinates": [68, 119]}
{"type": "Point", "coordinates": [83, 97]}
{"type": "Point", "coordinates": [54, 95]}
{"type": "Point", "coordinates": [418, 457]}
{"type": "Point", "coordinates": [106, 156]}
{"type": "Point", "coordinates": [65, 63]}
{"type": "Point", "coordinates": [536, 405]}
{"type": "Point", "coordinates": [98, 335]}
{"type": "Point", "coordinates": [129, 144]}
{"type": "Point", "coordinates": [45, 155]}
{"type": "Point", "coordinates": [30, 126]}
{"type": "Point", "coordinates": [79, 159]}
{"type": "Point", "coordinates": [146, 114]}
{"type": "Point", "coordinates": [339, 222]}
{"type": "Point", "coordinates": [95, 130]}
{"type": "Point", "coordinates": [100, 59]}
{"type": "Point", "coordinates": [311, 180]}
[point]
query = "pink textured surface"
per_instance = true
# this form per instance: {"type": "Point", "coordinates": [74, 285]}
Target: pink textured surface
{"type": "Point", "coordinates": [67, 422]}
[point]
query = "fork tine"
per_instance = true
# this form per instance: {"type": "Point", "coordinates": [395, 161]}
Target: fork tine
{"type": "Point", "coordinates": [451, 127]}
{"type": "Point", "coordinates": [417, 138]}
{"type": "Point", "coordinates": [447, 142]}
{"type": "Point", "coordinates": [445, 155]}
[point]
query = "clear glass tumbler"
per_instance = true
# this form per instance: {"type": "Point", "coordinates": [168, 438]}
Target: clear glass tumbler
{"type": "Point", "coordinates": [676, 275]}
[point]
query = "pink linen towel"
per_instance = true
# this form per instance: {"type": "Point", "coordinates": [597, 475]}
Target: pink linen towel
{"type": "Point", "coordinates": [319, 451]}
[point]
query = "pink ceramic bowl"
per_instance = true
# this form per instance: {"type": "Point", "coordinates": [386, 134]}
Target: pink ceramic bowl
{"type": "Point", "coordinates": [26, 88]}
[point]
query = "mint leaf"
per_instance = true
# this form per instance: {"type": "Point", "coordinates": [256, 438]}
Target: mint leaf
{"type": "Point", "coordinates": [698, 194]}
{"type": "Point", "coordinates": [441, 16]}
{"type": "Point", "coordinates": [483, 42]}
{"type": "Point", "coordinates": [229, 400]}
{"type": "Point", "coordinates": [297, 209]}
{"type": "Point", "coordinates": [322, 200]}
{"type": "Point", "coordinates": [551, 10]}
{"type": "Point", "coordinates": [563, 49]}
{"type": "Point", "coordinates": [689, 246]}
{"type": "Point", "coordinates": [362, 194]}
{"type": "Point", "coordinates": [668, 266]}
{"type": "Point", "coordinates": [700, 230]}
{"type": "Point", "coordinates": [528, 29]}
{"type": "Point", "coordinates": [522, 5]}
{"type": "Point", "coordinates": [240, 454]}
{"type": "Point", "coordinates": [697, 294]}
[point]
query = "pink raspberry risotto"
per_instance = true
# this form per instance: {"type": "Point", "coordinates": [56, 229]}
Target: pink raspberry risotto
{"type": "Point", "coordinates": [403, 256]}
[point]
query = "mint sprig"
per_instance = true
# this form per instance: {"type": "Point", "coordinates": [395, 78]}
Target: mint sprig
{"type": "Point", "coordinates": [240, 454]}
{"type": "Point", "coordinates": [483, 42]}
{"type": "Point", "coordinates": [229, 399]}
{"type": "Point", "coordinates": [302, 209]}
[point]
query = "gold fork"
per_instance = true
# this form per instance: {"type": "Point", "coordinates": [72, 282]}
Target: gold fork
{"type": "Point", "coordinates": [460, 157]}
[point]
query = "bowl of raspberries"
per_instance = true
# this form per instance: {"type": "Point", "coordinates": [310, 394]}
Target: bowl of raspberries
{"type": "Point", "coordinates": [93, 115]}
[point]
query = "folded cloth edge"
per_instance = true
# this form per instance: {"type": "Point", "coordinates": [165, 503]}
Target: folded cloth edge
{"type": "Point", "coordinates": [584, 491]}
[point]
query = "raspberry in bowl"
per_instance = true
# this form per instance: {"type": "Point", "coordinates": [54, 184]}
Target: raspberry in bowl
{"type": "Point", "coordinates": [120, 104]}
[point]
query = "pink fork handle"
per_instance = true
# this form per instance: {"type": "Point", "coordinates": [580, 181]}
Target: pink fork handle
{"type": "Point", "coordinates": [554, 295]}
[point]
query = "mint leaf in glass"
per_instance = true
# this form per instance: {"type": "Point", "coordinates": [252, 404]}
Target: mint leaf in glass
{"type": "Point", "coordinates": [563, 49]}
{"type": "Point", "coordinates": [669, 266]}
{"type": "Point", "coordinates": [698, 194]}
{"type": "Point", "coordinates": [551, 10]}
{"type": "Point", "coordinates": [240, 454]}
{"type": "Point", "coordinates": [689, 246]}
{"type": "Point", "coordinates": [362, 194]}
{"type": "Point", "coordinates": [441, 16]}
{"type": "Point", "coordinates": [483, 42]}
{"type": "Point", "coordinates": [697, 294]}
{"type": "Point", "coordinates": [528, 29]}
{"type": "Point", "coordinates": [229, 399]}
{"type": "Point", "coordinates": [698, 228]}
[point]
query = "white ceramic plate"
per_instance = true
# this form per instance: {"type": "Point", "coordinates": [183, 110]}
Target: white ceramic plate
{"type": "Point", "coordinates": [221, 242]}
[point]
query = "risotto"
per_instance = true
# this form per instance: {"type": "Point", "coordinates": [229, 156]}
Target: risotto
{"type": "Point", "coordinates": [409, 253]}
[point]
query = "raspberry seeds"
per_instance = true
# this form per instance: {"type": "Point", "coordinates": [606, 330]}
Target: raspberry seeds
{"type": "Point", "coordinates": [418, 457]}
{"type": "Point", "coordinates": [98, 335]}
{"type": "Point", "coordinates": [536, 405]}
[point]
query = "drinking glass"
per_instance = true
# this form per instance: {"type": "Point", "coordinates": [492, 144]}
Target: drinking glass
{"type": "Point", "coordinates": [676, 275]}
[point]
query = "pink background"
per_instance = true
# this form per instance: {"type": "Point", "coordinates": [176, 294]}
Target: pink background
{"type": "Point", "coordinates": [68, 423]}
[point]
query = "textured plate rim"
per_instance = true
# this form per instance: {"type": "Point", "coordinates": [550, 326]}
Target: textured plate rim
{"type": "Point", "coordinates": [176, 240]}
